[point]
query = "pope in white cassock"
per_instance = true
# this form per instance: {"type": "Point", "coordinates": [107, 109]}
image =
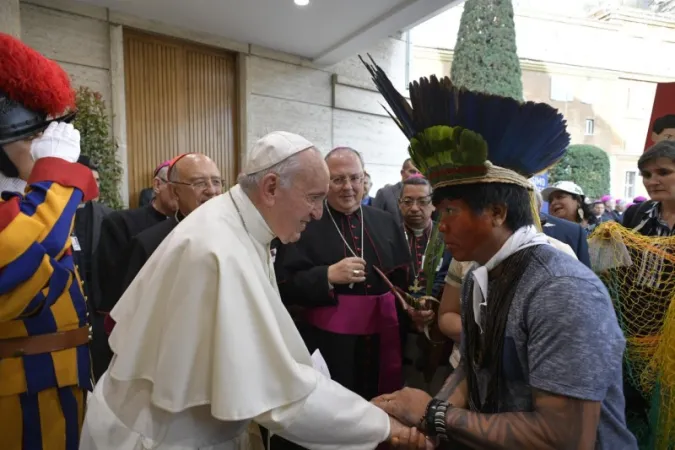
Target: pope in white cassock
{"type": "Point", "coordinates": [203, 345]}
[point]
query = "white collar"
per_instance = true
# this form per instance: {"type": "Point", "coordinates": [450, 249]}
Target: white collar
{"type": "Point", "coordinates": [523, 238]}
{"type": "Point", "coordinates": [255, 223]}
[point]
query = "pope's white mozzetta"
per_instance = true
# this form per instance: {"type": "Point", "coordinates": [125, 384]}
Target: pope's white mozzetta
{"type": "Point", "coordinates": [204, 347]}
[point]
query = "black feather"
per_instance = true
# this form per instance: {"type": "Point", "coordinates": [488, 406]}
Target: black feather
{"type": "Point", "coordinates": [524, 137]}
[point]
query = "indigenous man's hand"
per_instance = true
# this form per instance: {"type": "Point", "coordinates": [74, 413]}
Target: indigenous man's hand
{"type": "Point", "coordinates": [407, 405]}
{"type": "Point", "coordinates": [409, 438]}
{"type": "Point", "coordinates": [349, 270]}
{"type": "Point", "coordinates": [421, 318]}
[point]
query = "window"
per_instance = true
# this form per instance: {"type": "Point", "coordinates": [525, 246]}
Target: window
{"type": "Point", "coordinates": [629, 184]}
{"type": "Point", "coordinates": [588, 92]}
{"type": "Point", "coordinates": [562, 89]}
{"type": "Point", "coordinates": [590, 127]}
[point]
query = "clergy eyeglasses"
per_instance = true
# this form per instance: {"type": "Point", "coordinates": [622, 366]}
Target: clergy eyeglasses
{"type": "Point", "coordinates": [344, 179]}
{"type": "Point", "coordinates": [202, 184]}
{"type": "Point", "coordinates": [422, 201]}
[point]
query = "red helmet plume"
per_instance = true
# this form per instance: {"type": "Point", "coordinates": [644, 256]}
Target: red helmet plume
{"type": "Point", "coordinates": [31, 79]}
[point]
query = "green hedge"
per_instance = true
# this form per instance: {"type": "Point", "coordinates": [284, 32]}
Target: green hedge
{"type": "Point", "coordinates": [97, 143]}
{"type": "Point", "coordinates": [585, 165]}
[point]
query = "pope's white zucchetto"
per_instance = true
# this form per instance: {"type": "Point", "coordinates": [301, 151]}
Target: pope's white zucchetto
{"type": "Point", "coordinates": [274, 148]}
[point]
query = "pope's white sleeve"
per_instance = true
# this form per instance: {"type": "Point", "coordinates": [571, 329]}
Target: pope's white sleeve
{"type": "Point", "coordinates": [329, 418]}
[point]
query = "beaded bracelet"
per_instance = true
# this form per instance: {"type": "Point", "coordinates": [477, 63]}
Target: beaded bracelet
{"type": "Point", "coordinates": [429, 419]}
{"type": "Point", "coordinates": [439, 422]}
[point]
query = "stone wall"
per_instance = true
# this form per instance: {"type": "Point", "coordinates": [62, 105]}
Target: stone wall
{"type": "Point", "coordinates": [335, 106]}
{"type": "Point", "coordinates": [331, 106]}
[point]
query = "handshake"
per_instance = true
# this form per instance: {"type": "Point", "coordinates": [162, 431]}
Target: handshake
{"type": "Point", "coordinates": [406, 409]}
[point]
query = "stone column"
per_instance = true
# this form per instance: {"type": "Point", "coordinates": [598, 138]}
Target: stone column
{"type": "Point", "coordinates": [10, 17]}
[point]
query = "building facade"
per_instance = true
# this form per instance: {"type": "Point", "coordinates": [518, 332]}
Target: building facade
{"type": "Point", "coordinates": [600, 72]}
{"type": "Point", "coordinates": [171, 90]}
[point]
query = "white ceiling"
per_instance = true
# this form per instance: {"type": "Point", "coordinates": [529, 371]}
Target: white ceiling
{"type": "Point", "coordinates": [325, 31]}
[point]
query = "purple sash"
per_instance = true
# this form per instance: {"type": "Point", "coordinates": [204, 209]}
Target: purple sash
{"type": "Point", "coordinates": [364, 315]}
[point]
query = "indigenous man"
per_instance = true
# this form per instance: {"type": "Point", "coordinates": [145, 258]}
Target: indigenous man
{"type": "Point", "coordinates": [203, 344]}
{"type": "Point", "coordinates": [541, 346]}
{"type": "Point", "coordinates": [44, 356]}
{"type": "Point", "coordinates": [331, 272]}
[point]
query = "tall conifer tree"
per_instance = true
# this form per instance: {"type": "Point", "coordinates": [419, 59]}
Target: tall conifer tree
{"type": "Point", "coordinates": [485, 58]}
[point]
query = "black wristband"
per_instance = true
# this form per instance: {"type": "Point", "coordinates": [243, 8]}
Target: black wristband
{"type": "Point", "coordinates": [439, 421]}
{"type": "Point", "coordinates": [423, 420]}
{"type": "Point", "coordinates": [429, 419]}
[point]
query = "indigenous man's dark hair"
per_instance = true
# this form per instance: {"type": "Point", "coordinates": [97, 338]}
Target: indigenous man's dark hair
{"type": "Point", "coordinates": [663, 122]}
{"type": "Point", "coordinates": [478, 197]}
{"type": "Point", "coordinates": [663, 149]}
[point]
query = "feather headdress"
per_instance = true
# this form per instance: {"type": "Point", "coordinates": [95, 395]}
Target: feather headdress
{"type": "Point", "coordinates": [462, 137]}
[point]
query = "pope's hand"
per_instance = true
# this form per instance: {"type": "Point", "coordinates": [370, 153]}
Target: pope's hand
{"type": "Point", "coordinates": [59, 140]}
{"type": "Point", "coordinates": [407, 405]}
{"type": "Point", "coordinates": [409, 438]}
{"type": "Point", "coordinates": [349, 270]}
{"type": "Point", "coordinates": [421, 318]}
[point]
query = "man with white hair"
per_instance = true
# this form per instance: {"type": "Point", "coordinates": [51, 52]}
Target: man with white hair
{"type": "Point", "coordinates": [203, 344]}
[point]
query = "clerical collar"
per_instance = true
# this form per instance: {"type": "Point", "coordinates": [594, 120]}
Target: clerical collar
{"type": "Point", "coordinates": [417, 232]}
{"type": "Point", "coordinates": [340, 213]}
{"type": "Point", "coordinates": [255, 223]}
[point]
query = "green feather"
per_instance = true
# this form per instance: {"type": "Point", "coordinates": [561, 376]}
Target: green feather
{"type": "Point", "coordinates": [433, 257]}
{"type": "Point", "coordinates": [444, 146]}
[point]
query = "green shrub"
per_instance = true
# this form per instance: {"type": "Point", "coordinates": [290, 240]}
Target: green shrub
{"type": "Point", "coordinates": [98, 144]}
{"type": "Point", "coordinates": [585, 165]}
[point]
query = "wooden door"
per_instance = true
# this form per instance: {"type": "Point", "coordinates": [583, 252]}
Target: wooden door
{"type": "Point", "coordinates": [180, 98]}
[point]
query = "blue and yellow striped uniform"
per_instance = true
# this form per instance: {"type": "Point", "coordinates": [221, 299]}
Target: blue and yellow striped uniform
{"type": "Point", "coordinates": [42, 397]}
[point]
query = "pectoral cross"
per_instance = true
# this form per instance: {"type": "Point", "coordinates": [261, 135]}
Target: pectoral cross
{"type": "Point", "coordinates": [416, 288]}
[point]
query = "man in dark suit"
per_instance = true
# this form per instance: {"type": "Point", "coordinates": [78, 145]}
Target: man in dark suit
{"type": "Point", "coordinates": [565, 231]}
{"type": "Point", "coordinates": [387, 197]}
{"type": "Point", "coordinates": [85, 238]}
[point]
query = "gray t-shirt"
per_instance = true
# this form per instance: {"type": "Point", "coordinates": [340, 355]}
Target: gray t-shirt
{"type": "Point", "coordinates": [562, 336]}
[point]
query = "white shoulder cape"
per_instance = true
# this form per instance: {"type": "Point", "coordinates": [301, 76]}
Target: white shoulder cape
{"type": "Point", "coordinates": [204, 323]}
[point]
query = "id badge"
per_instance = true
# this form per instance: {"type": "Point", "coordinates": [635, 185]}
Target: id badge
{"type": "Point", "coordinates": [75, 243]}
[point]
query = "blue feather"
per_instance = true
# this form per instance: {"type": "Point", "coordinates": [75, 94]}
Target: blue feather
{"type": "Point", "coordinates": [525, 137]}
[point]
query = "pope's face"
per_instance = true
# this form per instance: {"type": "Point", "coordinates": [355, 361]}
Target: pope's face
{"type": "Point", "coordinates": [301, 201]}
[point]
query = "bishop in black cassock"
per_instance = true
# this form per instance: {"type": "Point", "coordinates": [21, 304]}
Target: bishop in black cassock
{"type": "Point", "coordinates": [349, 315]}
{"type": "Point", "coordinates": [193, 180]}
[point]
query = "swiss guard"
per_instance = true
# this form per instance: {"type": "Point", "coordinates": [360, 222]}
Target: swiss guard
{"type": "Point", "coordinates": [44, 331]}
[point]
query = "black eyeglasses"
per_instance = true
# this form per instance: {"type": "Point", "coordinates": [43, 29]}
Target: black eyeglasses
{"type": "Point", "coordinates": [217, 183]}
{"type": "Point", "coordinates": [409, 202]}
